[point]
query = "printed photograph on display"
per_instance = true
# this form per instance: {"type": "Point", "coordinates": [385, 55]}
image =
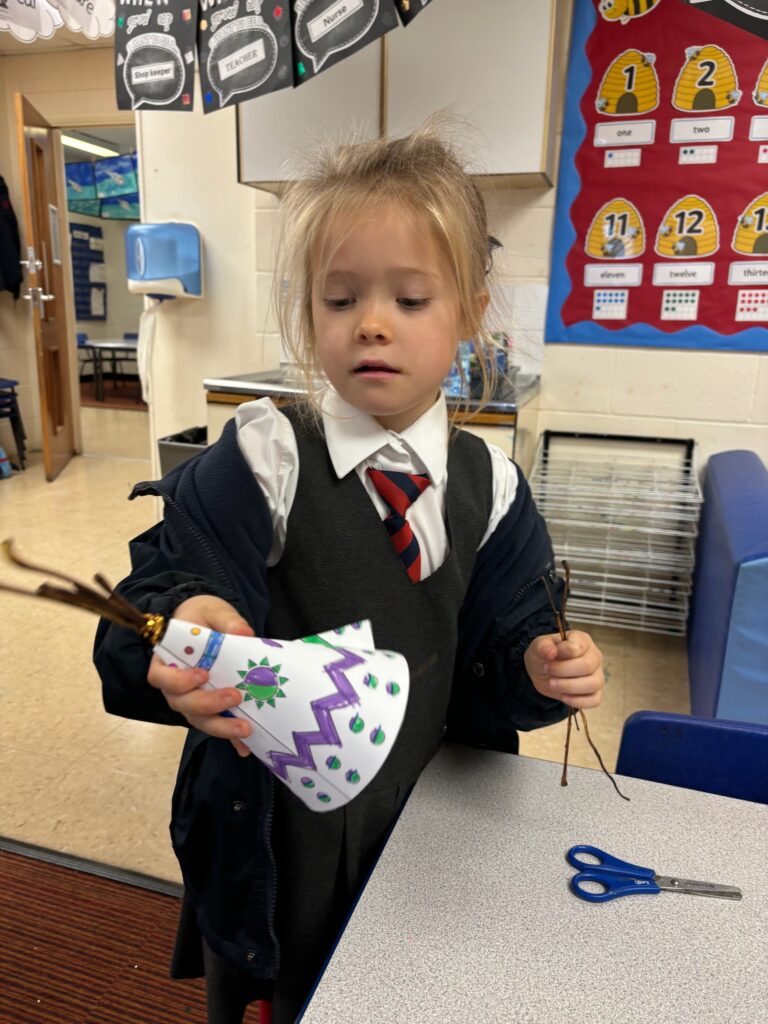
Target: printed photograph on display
{"type": "Point", "coordinates": [661, 227]}
{"type": "Point", "coordinates": [115, 176]}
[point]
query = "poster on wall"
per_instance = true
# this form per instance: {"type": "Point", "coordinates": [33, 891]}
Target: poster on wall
{"type": "Point", "coordinates": [155, 54]}
{"type": "Point", "coordinates": [121, 208]}
{"type": "Point", "coordinates": [81, 180]}
{"type": "Point", "coordinates": [661, 227]}
{"type": "Point", "coordinates": [327, 31]}
{"type": "Point", "coordinates": [244, 50]}
{"type": "Point", "coordinates": [115, 176]}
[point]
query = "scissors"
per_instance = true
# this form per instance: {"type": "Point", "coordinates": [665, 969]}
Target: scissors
{"type": "Point", "coordinates": [622, 879]}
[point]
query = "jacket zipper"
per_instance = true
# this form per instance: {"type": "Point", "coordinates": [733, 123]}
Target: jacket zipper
{"type": "Point", "coordinates": [532, 583]}
{"type": "Point", "coordinates": [224, 578]}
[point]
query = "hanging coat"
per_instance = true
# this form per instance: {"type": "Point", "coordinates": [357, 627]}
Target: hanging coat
{"type": "Point", "coordinates": [10, 245]}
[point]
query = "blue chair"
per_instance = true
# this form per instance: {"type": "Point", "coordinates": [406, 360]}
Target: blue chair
{"type": "Point", "coordinates": [9, 410]}
{"type": "Point", "coordinates": [706, 754]}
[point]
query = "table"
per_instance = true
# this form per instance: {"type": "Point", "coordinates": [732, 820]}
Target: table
{"type": "Point", "coordinates": [125, 347]}
{"type": "Point", "coordinates": [468, 916]}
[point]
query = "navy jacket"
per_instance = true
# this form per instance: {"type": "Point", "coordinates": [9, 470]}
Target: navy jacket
{"type": "Point", "coordinates": [215, 538]}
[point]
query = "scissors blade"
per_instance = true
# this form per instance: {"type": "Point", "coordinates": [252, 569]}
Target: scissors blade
{"type": "Point", "coordinates": [686, 885]}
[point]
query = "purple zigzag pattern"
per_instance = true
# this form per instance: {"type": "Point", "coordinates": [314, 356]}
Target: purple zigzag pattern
{"type": "Point", "coordinates": [345, 697]}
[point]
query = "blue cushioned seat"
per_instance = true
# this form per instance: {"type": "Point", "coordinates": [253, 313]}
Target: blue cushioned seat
{"type": "Point", "coordinates": [728, 624]}
{"type": "Point", "coordinates": [706, 754]}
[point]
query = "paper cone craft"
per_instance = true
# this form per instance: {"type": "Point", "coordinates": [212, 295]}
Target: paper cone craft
{"type": "Point", "coordinates": [325, 710]}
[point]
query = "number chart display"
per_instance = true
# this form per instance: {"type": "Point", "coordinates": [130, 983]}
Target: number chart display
{"type": "Point", "coordinates": [661, 227]}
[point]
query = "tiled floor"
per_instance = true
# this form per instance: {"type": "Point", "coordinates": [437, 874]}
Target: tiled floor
{"type": "Point", "coordinates": [78, 780]}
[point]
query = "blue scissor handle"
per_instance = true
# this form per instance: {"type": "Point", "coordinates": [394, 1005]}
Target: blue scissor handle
{"type": "Point", "coordinates": [606, 864]}
{"type": "Point", "coordinates": [615, 885]}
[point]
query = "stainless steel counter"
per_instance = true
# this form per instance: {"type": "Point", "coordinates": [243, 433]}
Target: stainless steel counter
{"type": "Point", "coordinates": [282, 383]}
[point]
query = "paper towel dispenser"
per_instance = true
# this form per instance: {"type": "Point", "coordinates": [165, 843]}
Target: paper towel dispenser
{"type": "Point", "coordinates": [164, 261]}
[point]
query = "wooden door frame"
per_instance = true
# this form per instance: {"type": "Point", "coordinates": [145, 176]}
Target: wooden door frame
{"type": "Point", "coordinates": [83, 122]}
{"type": "Point", "coordinates": [27, 116]}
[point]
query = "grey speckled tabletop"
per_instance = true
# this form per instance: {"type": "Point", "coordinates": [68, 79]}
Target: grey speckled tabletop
{"type": "Point", "coordinates": [468, 917]}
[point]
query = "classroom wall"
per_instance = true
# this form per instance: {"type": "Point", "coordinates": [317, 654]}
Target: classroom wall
{"type": "Point", "coordinates": [123, 307]}
{"type": "Point", "coordinates": [188, 172]}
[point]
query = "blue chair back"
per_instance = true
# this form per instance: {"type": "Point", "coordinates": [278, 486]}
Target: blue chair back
{"type": "Point", "coordinates": [130, 336]}
{"type": "Point", "coordinates": [706, 754]}
{"type": "Point", "coordinates": [82, 339]}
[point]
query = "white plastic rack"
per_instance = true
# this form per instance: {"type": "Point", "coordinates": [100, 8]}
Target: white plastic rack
{"type": "Point", "coordinates": [624, 512]}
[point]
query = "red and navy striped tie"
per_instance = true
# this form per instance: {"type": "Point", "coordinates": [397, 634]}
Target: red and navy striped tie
{"type": "Point", "coordinates": [399, 491]}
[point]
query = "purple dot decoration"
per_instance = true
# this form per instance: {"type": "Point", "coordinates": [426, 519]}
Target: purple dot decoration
{"type": "Point", "coordinates": [356, 724]}
{"type": "Point", "coordinates": [393, 688]}
{"type": "Point", "coordinates": [189, 650]}
{"type": "Point", "coordinates": [307, 782]}
{"type": "Point", "coordinates": [353, 776]}
{"type": "Point", "coordinates": [323, 798]}
{"type": "Point", "coordinates": [377, 736]}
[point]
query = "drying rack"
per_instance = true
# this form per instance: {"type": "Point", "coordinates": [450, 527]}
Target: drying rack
{"type": "Point", "coordinates": [624, 512]}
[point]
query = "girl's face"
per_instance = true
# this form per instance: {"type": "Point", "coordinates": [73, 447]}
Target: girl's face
{"type": "Point", "coordinates": [386, 315]}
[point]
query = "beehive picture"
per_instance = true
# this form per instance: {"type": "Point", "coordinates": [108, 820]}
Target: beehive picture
{"type": "Point", "coordinates": [751, 234]}
{"type": "Point", "coordinates": [760, 95]}
{"type": "Point", "coordinates": [616, 232]}
{"type": "Point", "coordinates": [624, 10]}
{"type": "Point", "coordinates": [629, 86]}
{"type": "Point", "coordinates": [689, 230]}
{"type": "Point", "coordinates": [707, 80]}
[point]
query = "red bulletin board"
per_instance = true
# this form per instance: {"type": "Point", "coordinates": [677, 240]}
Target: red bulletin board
{"type": "Point", "coordinates": [661, 234]}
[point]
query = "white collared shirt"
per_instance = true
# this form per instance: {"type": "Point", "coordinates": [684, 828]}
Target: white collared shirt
{"type": "Point", "coordinates": [356, 441]}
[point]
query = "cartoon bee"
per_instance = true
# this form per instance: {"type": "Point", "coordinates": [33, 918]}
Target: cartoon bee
{"type": "Point", "coordinates": [625, 10]}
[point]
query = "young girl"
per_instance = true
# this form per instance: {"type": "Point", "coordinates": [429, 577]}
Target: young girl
{"type": "Point", "coordinates": [366, 504]}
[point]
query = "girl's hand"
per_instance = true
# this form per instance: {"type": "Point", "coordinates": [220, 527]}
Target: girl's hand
{"type": "Point", "coordinates": [181, 686]}
{"type": "Point", "coordinates": [569, 670]}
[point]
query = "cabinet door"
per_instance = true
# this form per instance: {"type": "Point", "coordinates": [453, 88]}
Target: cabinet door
{"type": "Point", "coordinates": [491, 62]}
{"type": "Point", "coordinates": [275, 128]}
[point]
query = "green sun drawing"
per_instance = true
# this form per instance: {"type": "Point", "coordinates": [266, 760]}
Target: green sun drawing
{"type": "Point", "coordinates": [261, 682]}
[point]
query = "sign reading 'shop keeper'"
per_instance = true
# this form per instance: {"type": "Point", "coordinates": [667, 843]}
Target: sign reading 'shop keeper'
{"type": "Point", "coordinates": [155, 54]}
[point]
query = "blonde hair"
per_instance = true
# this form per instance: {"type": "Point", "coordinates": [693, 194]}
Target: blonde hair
{"type": "Point", "coordinates": [420, 172]}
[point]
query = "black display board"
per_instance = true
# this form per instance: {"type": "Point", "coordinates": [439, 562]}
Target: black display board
{"type": "Point", "coordinates": [87, 247]}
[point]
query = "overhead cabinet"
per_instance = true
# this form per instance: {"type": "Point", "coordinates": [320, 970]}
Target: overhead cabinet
{"type": "Point", "coordinates": [494, 65]}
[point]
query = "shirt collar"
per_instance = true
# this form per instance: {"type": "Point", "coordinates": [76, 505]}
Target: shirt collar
{"type": "Point", "coordinates": [353, 436]}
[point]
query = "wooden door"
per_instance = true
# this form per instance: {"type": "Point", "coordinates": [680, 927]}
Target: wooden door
{"type": "Point", "coordinates": [43, 224]}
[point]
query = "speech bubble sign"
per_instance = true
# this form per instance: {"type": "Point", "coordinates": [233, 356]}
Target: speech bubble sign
{"type": "Point", "coordinates": [154, 70]}
{"type": "Point", "coordinates": [29, 21]}
{"type": "Point", "coordinates": [94, 18]}
{"type": "Point", "coordinates": [325, 27]}
{"type": "Point", "coordinates": [241, 57]}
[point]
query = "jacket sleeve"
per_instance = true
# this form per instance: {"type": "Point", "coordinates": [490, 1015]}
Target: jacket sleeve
{"type": "Point", "coordinates": [121, 657]}
{"type": "Point", "coordinates": [506, 607]}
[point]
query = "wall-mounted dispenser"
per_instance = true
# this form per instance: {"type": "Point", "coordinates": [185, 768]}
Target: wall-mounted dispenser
{"type": "Point", "coordinates": [164, 261]}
